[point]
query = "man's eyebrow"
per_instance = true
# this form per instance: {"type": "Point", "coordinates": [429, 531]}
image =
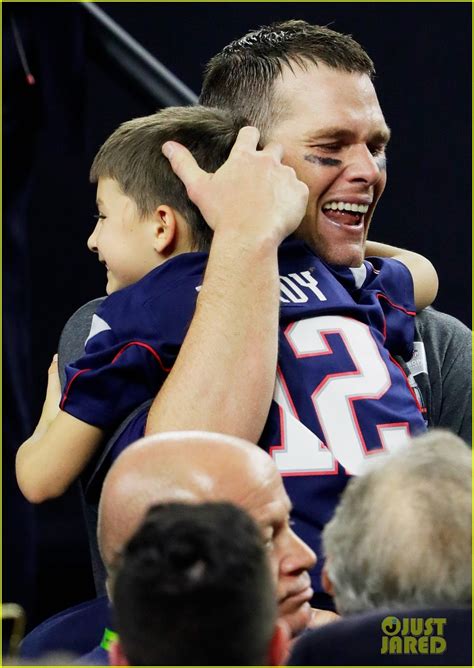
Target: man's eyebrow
{"type": "Point", "coordinates": [382, 136]}
{"type": "Point", "coordinates": [337, 133]}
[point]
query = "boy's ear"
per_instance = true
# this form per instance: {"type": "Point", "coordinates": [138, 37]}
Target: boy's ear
{"type": "Point", "coordinates": [166, 229]}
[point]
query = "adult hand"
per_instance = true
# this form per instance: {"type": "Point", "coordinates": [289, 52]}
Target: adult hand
{"type": "Point", "coordinates": [252, 194]}
{"type": "Point", "coordinates": [322, 617]}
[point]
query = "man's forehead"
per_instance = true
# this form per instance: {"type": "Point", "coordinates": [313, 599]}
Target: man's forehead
{"type": "Point", "coordinates": [295, 75]}
{"type": "Point", "coordinates": [324, 96]}
{"type": "Point", "coordinates": [269, 507]}
{"type": "Point", "coordinates": [272, 514]}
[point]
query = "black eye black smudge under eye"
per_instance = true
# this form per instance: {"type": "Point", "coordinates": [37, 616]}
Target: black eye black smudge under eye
{"type": "Point", "coordinates": [325, 162]}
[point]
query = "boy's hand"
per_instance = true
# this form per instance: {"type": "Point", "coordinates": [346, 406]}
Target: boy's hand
{"type": "Point", "coordinates": [53, 395]}
{"type": "Point", "coordinates": [252, 195]}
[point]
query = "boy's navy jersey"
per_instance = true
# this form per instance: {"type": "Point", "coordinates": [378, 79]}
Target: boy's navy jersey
{"type": "Point", "coordinates": [340, 398]}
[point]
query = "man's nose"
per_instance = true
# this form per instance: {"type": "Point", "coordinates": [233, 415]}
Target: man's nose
{"type": "Point", "coordinates": [300, 557]}
{"type": "Point", "coordinates": [364, 166]}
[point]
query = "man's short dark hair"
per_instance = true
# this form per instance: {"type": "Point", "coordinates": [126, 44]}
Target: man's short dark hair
{"type": "Point", "coordinates": [241, 77]}
{"type": "Point", "coordinates": [194, 587]}
{"type": "Point", "coordinates": [132, 156]}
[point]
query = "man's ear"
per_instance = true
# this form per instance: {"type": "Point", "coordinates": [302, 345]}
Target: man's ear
{"type": "Point", "coordinates": [279, 644]}
{"type": "Point", "coordinates": [326, 581]}
{"type": "Point", "coordinates": [116, 655]}
{"type": "Point", "coordinates": [165, 230]}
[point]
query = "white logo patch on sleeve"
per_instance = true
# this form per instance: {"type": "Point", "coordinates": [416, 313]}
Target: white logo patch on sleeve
{"type": "Point", "coordinates": [97, 325]}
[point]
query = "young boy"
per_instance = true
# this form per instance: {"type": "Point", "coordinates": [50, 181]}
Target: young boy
{"type": "Point", "coordinates": [340, 396]}
{"type": "Point", "coordinates": [145, 220]}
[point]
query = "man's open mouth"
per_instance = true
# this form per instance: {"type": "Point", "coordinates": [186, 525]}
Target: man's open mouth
{"type": "Point", "coordinates": [345, 213]}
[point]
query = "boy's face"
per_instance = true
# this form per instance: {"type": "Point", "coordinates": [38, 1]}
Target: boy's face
{"type": "Point", "coordinates": [123, 241]}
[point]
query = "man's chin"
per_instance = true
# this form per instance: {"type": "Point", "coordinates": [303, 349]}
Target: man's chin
{"type": "Point", "coordinates": [298, 619]}
{"type": "Point", "coordinates": [341, 254]}
{"type": "Point", "coordinates": [344, 257]}
{"type": "Point", "coordinates": [334, 244]}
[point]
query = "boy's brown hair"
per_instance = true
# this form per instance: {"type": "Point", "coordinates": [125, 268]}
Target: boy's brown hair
{"type": "Point", "coordinates": [132, 157]}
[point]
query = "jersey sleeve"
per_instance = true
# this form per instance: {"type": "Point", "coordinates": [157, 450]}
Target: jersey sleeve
{"type": "Point", "coordinates": [393, 280]}
{"type": "Point", "coordinates": [392, 284]}
{"type": "Point", "coordinates": [112, 378]}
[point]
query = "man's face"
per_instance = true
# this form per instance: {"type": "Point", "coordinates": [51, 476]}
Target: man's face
{"type": "Point", "coordinates": [123, 242]}
{"type": "Point", "coordinates": [187, 469]}
{"type": "Point", "coordinates": [334, 136]}
{"type": "Point", "coordinates": [265, 499]}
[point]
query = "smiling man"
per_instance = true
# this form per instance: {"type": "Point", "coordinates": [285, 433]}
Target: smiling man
{"type": "Point", "coordinates": [310, 89]}
{"type": "Point", "coordinates": [340, 397]}
{"type": "Point", "coordinates": [338, 151]}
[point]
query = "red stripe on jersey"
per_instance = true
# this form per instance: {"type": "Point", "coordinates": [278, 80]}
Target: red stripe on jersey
{"type": "Point", "coordinates": [147, 347]}
{"type": "Point", "coordinates": [397, 306]}
{"type": "Point", "coordinates": [66, 392]}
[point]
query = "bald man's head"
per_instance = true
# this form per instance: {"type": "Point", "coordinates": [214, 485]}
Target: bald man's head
{"type": "Point", "coordinates": [195, 467]}
{"type": "Point", "coordinates": [181, 467]}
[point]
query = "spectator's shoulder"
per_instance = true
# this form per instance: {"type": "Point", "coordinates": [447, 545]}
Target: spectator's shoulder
{"type": "Point", "coordinates": [435, 324]}
{"type": "Point", "coordinates": [74, 630]}
{"type": "Point", "coordinates": [358, 640]}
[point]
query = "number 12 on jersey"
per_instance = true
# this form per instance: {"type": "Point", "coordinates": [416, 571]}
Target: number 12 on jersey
{"type": "Point", "coordinates": [301, 451]}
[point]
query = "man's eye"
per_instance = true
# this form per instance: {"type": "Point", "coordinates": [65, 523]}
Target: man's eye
{"type": "Point", "coordinates": [99, 216]}
{"type": "Point", "coordinates": [331, 148]}
{"type": "Point", "coordinates": [268, 540]}
{"type": "Point", "coordinates": [377, 151]}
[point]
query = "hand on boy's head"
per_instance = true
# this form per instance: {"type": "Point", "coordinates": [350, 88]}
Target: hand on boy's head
{"type": "Point", "coordinates": [251, 196]}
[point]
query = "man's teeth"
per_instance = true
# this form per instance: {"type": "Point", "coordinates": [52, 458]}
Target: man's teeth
{"type": "Point", "coordinates": [346, 206]}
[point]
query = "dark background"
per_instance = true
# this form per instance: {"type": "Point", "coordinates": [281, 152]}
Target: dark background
{"type": "Point", "coordinates": [53, 129]}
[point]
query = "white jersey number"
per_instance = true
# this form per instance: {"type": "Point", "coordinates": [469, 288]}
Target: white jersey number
{"type": "Point", "coordinates": [301, 452]}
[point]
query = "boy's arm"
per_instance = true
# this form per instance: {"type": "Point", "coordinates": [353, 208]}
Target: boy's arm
{"type": "Point", "coordinates": [57, 452]}
{"type": "Point", "coordinates": [224, 377]}
{"type": "Point", "coordinates": [425, 278]}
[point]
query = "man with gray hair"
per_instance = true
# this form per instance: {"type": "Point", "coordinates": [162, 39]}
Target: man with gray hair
{"type": "Point", "coordinates": [398, 562]}
{"type": "Point", "coordinates": [401, 535]}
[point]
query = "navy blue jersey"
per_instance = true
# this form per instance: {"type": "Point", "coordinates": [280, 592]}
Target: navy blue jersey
{"type": "Point", "coordinates": [340, 397]}
{"type": "Point", "coordinates": [136, 334]}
